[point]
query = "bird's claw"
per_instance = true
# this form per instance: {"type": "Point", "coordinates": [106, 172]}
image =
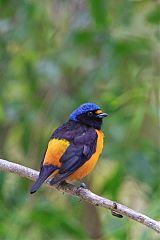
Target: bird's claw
{"type": "Point", "coordinates": [83, 185]}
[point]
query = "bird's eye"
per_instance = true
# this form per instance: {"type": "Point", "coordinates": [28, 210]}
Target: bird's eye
{"type": "Point", "coordinates": [90, 114]}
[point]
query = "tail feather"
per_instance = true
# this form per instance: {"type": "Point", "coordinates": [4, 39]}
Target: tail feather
{"type": "Point", "coordinates": [43, 175]}
{"type": "Point", "coordinates": [58, 178]}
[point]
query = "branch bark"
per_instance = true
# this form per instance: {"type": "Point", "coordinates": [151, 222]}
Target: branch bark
{"type": "Point", "coordinates": [83, 194]}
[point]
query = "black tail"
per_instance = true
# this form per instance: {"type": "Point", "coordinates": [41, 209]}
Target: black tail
{"type": "Point", "coordinates": [58, 178]}
{"type": "Point", "coordinates": [43, 175]}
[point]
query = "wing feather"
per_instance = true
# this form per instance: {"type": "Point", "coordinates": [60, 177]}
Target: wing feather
{"type": "Point", "coordinates": [76, 155]}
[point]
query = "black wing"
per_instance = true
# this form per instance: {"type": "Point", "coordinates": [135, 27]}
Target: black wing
{"type": "Point", "coordinates": [79, 151]}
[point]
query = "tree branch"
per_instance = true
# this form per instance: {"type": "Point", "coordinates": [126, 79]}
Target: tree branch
{"type": "Point", "coordinates": [83, 194]}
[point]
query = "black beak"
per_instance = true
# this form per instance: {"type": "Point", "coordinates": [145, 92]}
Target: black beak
{"type": "Point", "coordinates": [102, 115]}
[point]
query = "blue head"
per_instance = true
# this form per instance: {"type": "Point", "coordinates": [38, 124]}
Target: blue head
{"type": "Point", "coordinates": [89, 114]}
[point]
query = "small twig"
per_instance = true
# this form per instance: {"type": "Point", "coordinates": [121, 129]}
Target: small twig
{"type": "Point", "coordinates": [84, 194]}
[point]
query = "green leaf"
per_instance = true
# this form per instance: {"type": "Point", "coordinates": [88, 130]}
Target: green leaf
{"type": "Point", "coordinates": [154, 16]}
{"type": "Point", "coordinates": [99, 12]}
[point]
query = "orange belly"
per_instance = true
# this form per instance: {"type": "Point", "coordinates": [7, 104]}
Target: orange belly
{"type": "Point", "coordinates": [90, 164]}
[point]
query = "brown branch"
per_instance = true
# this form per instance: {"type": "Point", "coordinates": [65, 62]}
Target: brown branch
{"type": "Point", "coordinates": [83, 194]}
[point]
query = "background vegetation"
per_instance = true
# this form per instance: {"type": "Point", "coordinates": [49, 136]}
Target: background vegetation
{"type": "Point", "coordinates": [55, 55]}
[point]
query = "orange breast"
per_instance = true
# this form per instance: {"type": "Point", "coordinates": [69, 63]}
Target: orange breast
{"type": "Point", "coordinates": [90, 164]}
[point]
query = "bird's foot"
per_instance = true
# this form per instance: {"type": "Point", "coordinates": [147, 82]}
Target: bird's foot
{"type": "Point", "coordinates": [83, 185]}
{"type": "Point", "coordinates": [80, 187]}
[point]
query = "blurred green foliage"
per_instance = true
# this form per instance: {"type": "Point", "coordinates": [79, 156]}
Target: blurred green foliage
{"type": "Point", "coordinates": [55, 55]}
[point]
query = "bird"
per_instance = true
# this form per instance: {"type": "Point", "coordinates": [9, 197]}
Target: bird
{"type": "Point", "coordinates": [74, 147]}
